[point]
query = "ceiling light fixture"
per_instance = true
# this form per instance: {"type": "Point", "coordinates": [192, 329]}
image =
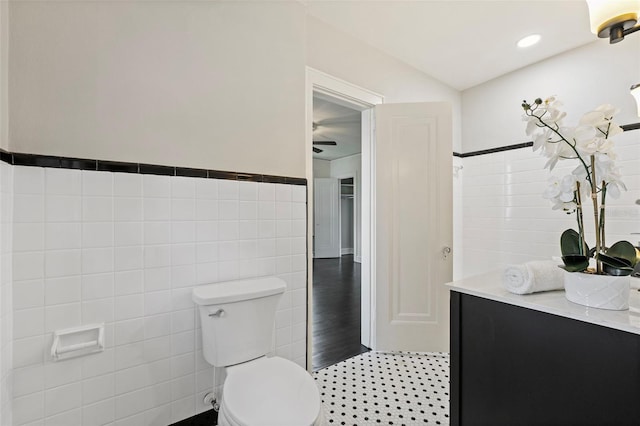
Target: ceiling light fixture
{"type": "Point", "coordinates": [529, 40]}
{"type": "Point", "coordinates": [614, 19]}
{"type": "Point", "coordinates": [635, 92]}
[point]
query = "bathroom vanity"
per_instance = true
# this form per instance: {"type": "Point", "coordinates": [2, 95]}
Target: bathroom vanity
{"type": "Point", "coordinates": [539, 359]}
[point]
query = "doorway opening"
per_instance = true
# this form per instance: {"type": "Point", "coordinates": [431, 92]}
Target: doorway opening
{"type": "Point", "coordinates": [358, 102]}
{"type": "Point", "coordinates": [337, 295]}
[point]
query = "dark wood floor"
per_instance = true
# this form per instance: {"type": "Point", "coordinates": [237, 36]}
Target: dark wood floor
{"type": "Point", "coordinates": [336, 311]}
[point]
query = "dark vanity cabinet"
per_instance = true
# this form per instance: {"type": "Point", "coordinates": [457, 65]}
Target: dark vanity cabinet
{"type": "Point", "coordinates": [517, 366]}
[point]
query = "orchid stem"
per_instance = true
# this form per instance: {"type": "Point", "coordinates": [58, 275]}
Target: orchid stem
{"type": "Point", "coordinates": [580, 219]}
{"type": "Point", "coordinates": [603, 194]}
{"type": "Point", "coordinates": [594, 200]}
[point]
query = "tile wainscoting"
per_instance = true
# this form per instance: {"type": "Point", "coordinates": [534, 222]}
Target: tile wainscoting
{"type": "Point", "coordinates": [126, 249]}
{"type": "Point", "coordinates": [505, 220]}
{"type": "Point", "coordinates": [6, 298]}
{"type": "Point", "coordinates": [83, 246]}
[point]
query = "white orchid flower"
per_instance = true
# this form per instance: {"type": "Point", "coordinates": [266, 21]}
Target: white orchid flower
{"type": "Point", "coordinates": [614, 129]}
{"type": "Point", "coordinates": [553, 190]}
{"type": "Point", "coordinates": [605, 167]}
{"type": "Point", "coordinates": [589, 143]}
{"type": "Point", "coordinates": [568, 187]}
{"type": "Point", "coordinates": [581, 176]}
{"type": "Point", "coordinates": [555, 115]}
{"type": "Point", "coordinates": [594, 119]}
{"type": "Point", "coordinates": [596, 145]}
{"type": "Point", "coordinates": [602, 120]}
{"type": "Point", "coordinates": [608, 172]}
{"type": "Point", "coordinates": [608, 110]}
{"type": "Point", "coordinates": [532, 124]}
{"type": "Point", "coordinates": [556, 151]}
{"type": "Point", "coordinates": [540, 139]}
{"type": "Point", "coordinates": [561, 189]}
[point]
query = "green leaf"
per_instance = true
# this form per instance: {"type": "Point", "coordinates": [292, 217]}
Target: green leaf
{"type": "Point", "coordinates": [570, 243]}
{"type": "Point", "coordinates": [614, 265]}
{"type": "Point", "coordinates": [623, 250]}
{"type": "Point", "coordinates": [575, 262]}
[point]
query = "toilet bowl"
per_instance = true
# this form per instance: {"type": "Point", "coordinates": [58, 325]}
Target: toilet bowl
{"type": "Point", "coordinates": [238, 319]}
{"type": "Point", "coordinates": [270, 392]}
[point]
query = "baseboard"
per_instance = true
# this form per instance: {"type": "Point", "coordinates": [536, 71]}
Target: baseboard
{"type": "Point", "coordinates": [357, 259]}
{"type": "Point", "coordinates": [346, 251]}
{"type": "Point", "coordinates": [206, 418]}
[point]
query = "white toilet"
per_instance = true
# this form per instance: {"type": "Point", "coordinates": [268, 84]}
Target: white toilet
{"type": "Point", "coordinates": [237, 325]}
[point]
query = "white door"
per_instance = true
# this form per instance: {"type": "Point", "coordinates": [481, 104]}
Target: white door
{"type": "Point", "coordinates": [326, 216]}
{"type": "Point", "coordinates": [413, 208]}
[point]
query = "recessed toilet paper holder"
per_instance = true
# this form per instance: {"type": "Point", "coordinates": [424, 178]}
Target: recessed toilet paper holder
{"type": "Point", "coordinates": [77, 341]}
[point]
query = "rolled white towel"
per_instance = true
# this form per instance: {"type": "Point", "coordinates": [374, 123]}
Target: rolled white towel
{"type": "Point", "coordinates": [532, 277]}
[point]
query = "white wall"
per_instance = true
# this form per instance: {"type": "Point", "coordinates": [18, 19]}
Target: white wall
{"type": "Point", "coordinates": [321, 168]}
{"type": "Point", "coordinates": [582, 78]}
{"type": "Point", "coordinates": [4, 74]}
{"type": "Point", "coordinates": [335, 53]}
{"type": "Point", "coordinates": [505, 218]}
{"type": "Point", "coordinates": [214, 85]}
{"type": "Point", "coordinates": [127, 249]}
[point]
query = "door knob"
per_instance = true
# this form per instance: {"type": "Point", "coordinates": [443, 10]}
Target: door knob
{"type": "Point", "coordinates": [446, 251]}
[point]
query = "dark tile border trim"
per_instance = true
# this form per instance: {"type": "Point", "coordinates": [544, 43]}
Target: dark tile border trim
{"type": "Point", "coordinates": [626, 128]}
{"type": "Point", "coordinates": [21, 159]}
{"type": "Point", "coordinates": [632, 126]}
{"type": "Point", "coordinates": [493, 150]}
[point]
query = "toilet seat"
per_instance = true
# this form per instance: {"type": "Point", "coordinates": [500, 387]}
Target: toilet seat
{"type": "Point", "coordinates": [270, 391]}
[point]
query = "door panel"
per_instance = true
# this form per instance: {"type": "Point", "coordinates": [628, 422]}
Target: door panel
{"type": "Point", "coordinates": [414, 223]}
{"type": "Point", "coordinates": [326, 217]}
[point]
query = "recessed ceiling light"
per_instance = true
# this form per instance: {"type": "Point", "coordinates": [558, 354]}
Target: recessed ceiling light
{"type": "Point", "coordinates": [529, 40]}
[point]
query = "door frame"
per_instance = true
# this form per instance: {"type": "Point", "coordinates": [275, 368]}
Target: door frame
{"type": "Point", "coordinates": [352, 96]}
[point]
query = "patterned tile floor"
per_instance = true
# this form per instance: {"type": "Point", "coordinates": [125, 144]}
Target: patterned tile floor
{"type": "Point", "coordinates": [380, 388]}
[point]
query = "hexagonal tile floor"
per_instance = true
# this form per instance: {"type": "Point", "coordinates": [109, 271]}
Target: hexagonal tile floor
{"type": "Point", "coordinates": [387, 388]}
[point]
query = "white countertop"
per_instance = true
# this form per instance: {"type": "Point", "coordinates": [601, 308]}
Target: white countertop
{"type": "Point", "coordinates": [489, 286]}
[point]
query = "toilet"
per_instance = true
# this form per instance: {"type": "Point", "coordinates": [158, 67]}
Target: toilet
{"type": "Point", "coordinates": [237, 325]}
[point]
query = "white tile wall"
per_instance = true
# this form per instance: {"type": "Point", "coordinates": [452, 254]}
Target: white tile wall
{"type": "Point", "coordinates": [7, 294]}
{"type": "Point", "coordinates": [458, 177]}
{"type": "Point", "coordinates": [506, 220]}
{"type": "Point", "coordinates": [127, 249]}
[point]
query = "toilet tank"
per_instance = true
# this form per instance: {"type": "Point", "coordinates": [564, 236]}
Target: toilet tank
{"type": "Point", "coordinates": [237, 318]}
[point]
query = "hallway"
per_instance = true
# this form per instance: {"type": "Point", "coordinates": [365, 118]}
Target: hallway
{"type": "Point", "coordinates": [336, 311]}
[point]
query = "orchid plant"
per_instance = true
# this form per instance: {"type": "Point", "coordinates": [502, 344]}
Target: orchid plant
{"type": "Point", "coordinates": [596, 176]}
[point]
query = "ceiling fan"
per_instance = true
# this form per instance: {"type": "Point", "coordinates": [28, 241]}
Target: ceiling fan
{"type": "Point", "coordinates": [325, 143]}
{"type": "Point", "coordinates": [318, 150]}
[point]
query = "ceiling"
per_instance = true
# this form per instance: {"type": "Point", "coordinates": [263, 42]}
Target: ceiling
{"type": "Point", "coordinates": [336, 123]}
{"type": "Point", "coordinates": [461, 43]}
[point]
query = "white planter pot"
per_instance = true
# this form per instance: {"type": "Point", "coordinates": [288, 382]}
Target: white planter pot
{"type": "Point", "coordinates": [597, 291]}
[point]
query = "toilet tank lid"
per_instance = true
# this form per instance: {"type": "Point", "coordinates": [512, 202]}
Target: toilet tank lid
{"type": "Point", "coordinates": [235, 291]}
